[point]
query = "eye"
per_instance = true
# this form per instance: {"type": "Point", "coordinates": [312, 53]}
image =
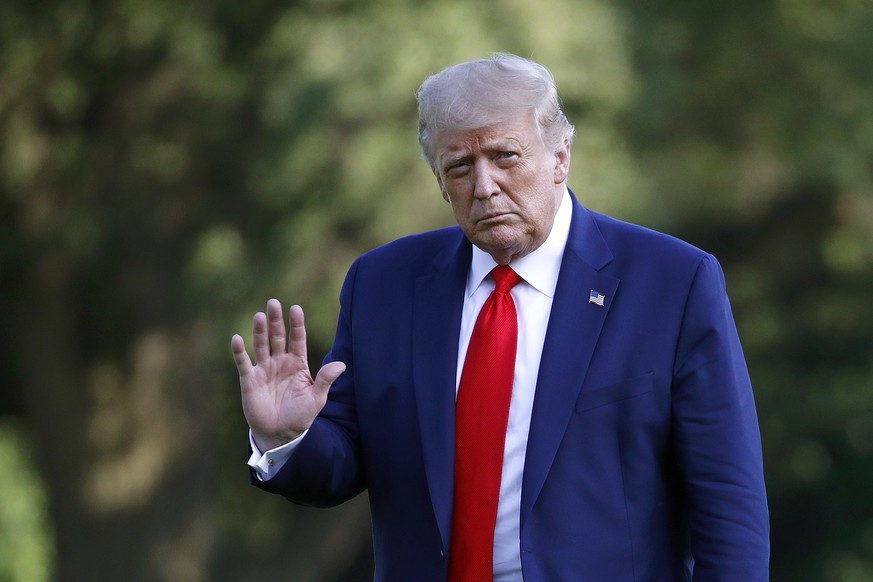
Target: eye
{"type": "Point", "coordinates": [456, 168]}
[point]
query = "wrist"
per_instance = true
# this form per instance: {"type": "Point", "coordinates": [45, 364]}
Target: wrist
{"type": "Point", "coordinates": [269, 442]}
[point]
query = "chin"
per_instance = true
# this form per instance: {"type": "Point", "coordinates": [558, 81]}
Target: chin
{"type": "Point", "coordinates": [508, 249]}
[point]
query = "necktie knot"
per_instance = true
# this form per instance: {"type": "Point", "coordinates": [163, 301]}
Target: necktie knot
{"type": "Point", "coordinates": [504, 278]}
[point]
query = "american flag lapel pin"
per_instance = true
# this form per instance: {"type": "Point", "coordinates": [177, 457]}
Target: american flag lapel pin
{"type": "Point", "coordinates": [597, 298]}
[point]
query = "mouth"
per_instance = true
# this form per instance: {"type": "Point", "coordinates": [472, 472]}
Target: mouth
{"type": "Point", "coordinates": [493, 217]}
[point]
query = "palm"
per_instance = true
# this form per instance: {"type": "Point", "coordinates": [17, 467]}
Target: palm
{"type": "Point", "coordinates": [279, 395]}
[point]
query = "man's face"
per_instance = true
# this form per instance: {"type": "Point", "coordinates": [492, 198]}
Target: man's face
{"type": "Point", "coordinates": [503, 184]}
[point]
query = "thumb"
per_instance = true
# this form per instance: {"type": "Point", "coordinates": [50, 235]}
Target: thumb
{"type": "Point", "coordinates": [328, 375]}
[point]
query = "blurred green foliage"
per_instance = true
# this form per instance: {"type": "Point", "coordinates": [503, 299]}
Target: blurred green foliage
{"type": "Point", "coordinates": [25, 542]}
{"type": "Point", "coordinates": [166, 167]}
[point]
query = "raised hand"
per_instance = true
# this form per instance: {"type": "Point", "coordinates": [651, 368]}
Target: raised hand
{"type": "Point", "coordinates": [279, 396]}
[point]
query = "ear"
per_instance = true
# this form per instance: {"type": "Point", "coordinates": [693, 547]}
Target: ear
{"type": "Point", "coordinates": [562, 162]}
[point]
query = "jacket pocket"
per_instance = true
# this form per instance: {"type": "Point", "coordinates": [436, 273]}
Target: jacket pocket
{"type": "Point", "coordinates": [613, 393]}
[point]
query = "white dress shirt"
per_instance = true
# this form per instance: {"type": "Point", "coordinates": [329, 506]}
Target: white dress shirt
{"type": "Point", "coordinates": [533, 303]}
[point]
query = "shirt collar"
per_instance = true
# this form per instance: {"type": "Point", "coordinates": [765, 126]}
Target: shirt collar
{"type": "Point", "coordinates": [539, 268]}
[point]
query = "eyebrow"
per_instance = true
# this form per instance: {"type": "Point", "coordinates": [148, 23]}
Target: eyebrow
{"type": "Point", "coordinates": [496, 145]}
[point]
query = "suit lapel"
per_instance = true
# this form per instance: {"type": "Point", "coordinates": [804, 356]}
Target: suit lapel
{"type": "Point", "coordinates": [574, 329]}
{"type": "Point", "coordinates": [439, 298]}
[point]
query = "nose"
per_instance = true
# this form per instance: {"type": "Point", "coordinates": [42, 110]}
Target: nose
{"type": "Point", "coordinates": [484, 182]}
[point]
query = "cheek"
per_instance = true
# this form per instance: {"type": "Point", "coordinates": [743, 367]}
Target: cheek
{"type": "Point", "coordinates": [460, 208]}
{"type": "Point", "coordinates": [457, 196]}
{"type": "Point", "coordinates": [464, 215]}
{"type": "Point", "coordinates": [531, 196]}
{"type": "Point", "coordinates": [539, 208]}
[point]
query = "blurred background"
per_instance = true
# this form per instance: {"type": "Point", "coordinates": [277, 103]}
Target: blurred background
{"type": "Point", "coordinates": [165, 167]}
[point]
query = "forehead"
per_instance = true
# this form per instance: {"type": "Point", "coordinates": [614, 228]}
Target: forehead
{"type": "Point", "coordinates": [520, 130]}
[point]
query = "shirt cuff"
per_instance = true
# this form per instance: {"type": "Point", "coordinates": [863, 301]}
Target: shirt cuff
{"type": "Point", "coordinates": [266, 465]}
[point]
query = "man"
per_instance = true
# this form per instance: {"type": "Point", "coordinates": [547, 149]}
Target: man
{"type": "Point", "coordinates": [584, 414]}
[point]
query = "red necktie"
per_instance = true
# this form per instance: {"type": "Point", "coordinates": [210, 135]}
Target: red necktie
{"type": "Point", "coordinates": [481, 413]}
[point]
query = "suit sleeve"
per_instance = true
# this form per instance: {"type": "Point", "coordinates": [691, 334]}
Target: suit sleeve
{"type": "Point", "coordinates": [717, 439]}
{"type": "Point", "coordinates": [326, 469]}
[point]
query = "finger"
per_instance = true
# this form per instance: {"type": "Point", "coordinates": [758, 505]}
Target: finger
{"type": "Point", "coordinates": [327, 376]}
{"type": "Point", "coordinates": [240, 356]}
{"type": "Point", "coordinates": [276, 327]}
{"type": "Point", "coordinates": [259, 335]}
{"type": "Point", "coordinates": [297, 335]}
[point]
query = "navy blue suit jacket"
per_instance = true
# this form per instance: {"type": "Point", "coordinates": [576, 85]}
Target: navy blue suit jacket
{"type": "Point", "coordinates": [644, 457]}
